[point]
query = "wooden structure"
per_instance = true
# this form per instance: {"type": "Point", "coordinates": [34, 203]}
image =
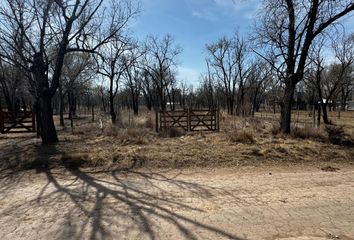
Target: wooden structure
{"type": "Point", "coordinates": [189, 120]}
{"type": "Point", "coordinates": [17, 122]}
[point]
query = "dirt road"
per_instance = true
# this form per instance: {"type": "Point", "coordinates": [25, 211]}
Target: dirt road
{"type": "Point", "coordinates": [195, 204]}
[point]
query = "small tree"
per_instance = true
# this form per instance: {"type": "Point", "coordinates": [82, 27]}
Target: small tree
{"type": "Point", "coordinates": [133, 75]}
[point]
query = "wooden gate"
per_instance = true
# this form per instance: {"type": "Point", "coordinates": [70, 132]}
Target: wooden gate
{"type": "Point", "coordinates": [188, 120]}
{"type": "Point", "coordinates": [17, 122]}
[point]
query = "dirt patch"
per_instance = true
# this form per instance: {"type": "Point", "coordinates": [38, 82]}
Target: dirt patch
{"type": "Point", "coordinates": [238, 203]}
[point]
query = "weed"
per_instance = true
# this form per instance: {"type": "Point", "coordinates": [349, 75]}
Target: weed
{"type": "Point", "coordinates": [275, 129]}
{"type": "Point", "coordinates": [241, 136]}
{"type": "Point", "coordinates": [309, 133]}
{"type": "Point", "coordinates": [172, 132]}
{"type": "Point", "coordinates": [337, 135]}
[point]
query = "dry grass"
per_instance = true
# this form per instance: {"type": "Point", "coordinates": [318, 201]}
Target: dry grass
{"type": "Point", "coordinates": [310, 133]}
{"type": "Point", "coordinates": [172, 132]}
{"type": "Point", "coordinates": [241, 136]}
{"type": "Point", "coordinates": [305, 118]}
{"type": "Point", "coordinates": [137, 146]}
{"type": "Point", "coordinates": [129, 136]}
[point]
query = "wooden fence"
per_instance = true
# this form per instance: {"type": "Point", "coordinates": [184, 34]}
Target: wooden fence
{"type": "Point", "coordinates": [189, 120]}
{"type": "Point", "coordinates": [17, 122]}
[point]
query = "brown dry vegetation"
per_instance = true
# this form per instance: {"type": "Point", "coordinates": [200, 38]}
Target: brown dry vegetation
{"type": "Point", "coordinates": [134, 144]}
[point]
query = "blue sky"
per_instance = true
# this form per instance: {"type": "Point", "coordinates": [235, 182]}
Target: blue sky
{"type": "Point", "coordinates": [195, 23]}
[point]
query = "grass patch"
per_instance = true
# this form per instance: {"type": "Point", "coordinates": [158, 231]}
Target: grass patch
{"type": "Point", "coordinates": [172, 132]}
{"type": "Point", "coordinates": [309, 133]}
{"type": "Point", "coordinates": [128, 136]}
{"type": "Point", "coordinates": [241, 136]}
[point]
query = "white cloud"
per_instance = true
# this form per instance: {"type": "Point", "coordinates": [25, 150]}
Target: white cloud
{"type": "Point", "coordinates": [215, 9]}
{"type": "Point", "coordinates": [205, 14]}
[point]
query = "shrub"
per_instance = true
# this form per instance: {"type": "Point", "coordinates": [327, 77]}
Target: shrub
{"type": "Point", "coordinates": [308, 133]}
{"type": "Point", "coordinates": [241, 136]}
{"type": "Point", "coordinates": [111, 130]}
{"type": "Point", "coordinates": [128, 136]}
{"type": "Point", "coordinates": [172, 132]}
{"type": "Point", "coordinates": [257, 124]}
{"type": "Point", "coordinates": [337, 135]}
{"type": "Point", "coordinates": [133, 136]}
{"type": "Point", "coordinates": [275, 129]}
{"type": "Point", "coordinates": [150, 123]}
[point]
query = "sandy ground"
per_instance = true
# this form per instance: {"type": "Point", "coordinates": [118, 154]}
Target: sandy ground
{"type": "Point", "coordinates": [243, 203]}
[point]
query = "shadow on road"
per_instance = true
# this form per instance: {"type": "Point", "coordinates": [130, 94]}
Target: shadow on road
{"type": "Point", "coordinates": [123, 203]}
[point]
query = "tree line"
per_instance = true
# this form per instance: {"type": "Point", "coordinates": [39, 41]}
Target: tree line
{"type": "Point", "coordinates": [61, 54]}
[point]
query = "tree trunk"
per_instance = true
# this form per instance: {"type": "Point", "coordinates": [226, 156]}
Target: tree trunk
{"type": "Point", "coordinates": [48, 132]}
{"type": "Point", "coordinates": [285, 116]}
{"type": "Point", "coordinates": [103, 104]}
{"type": "Point", "coordinates": [240, 107]}
{"type": "Point", "coordinates": [254, 102]}
{"type": "Point", "coordinates": [149, 104]}
{"type": "Point", "coordinates": [313, 115]}
{"type": "Point", "coordinates": [319, 115]}
{"type": "Point", "coordinates": [61, 107]}
{"type": "Point", "coordinates": [325, 114]}
{"type": "Point", "coordinates": [38, 120]}
{"type": "Point", "coordinates": [136, 104]}
{"type": "Point", "coordinates": [93, 113]}
{"type": "Point", "coordinates": [71, 103]}
{"type": "Point", "coordinates": [111, 108]}
{"type": "Point", "coordinates": [343, 101]}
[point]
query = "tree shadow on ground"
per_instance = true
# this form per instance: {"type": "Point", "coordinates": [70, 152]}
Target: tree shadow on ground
{"type": "Point", "coordinates": [119, 204]}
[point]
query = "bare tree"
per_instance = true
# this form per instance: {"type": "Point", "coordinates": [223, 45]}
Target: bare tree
{"type": "Point", "coordinates": [75, 80]}
{"type": "Point", "coordinates": [288, 29]}
{"type": "Point", "coordinates": [207, 88]}
{"type": "Point", "coordinates": [227, 58]}
{"type": "Point", "coordinates": [160, 62]}
{"type": "Point", "coordinates": [11, 88]}
{"type": "Point", "coordinates": [29, 30]}
{"type": "Point", "coordinates": [133, 74]}
{"type": "Point", "coordinates": [330, 81]}
{"type": "Point", "coordinates": [111, 65]}
{"type": "Point", "coordinates": [344, 52]}
{"type": "Point", "coordinates": [183, 94]}
{"type": "Point", "coordinates": [148, 90]}
{"type": "Point", "coordinates": [315, 76]}
{"type": "Point", "coordinates": [259, 76]}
